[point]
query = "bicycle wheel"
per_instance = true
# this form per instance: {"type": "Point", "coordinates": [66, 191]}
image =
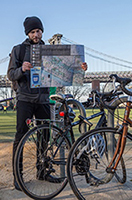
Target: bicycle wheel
{"type": "Point", "coordinates": [41, 159]}
{"type": "Point", "coordinates": [87, 163]}
{"type": "Point", "coordinates": [120, 172]}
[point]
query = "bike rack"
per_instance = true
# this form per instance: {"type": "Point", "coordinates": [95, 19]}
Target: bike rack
{"type": "Point", "coordinates": [115, 102]}
{"type": "Point", "coordinates": [82, 129]}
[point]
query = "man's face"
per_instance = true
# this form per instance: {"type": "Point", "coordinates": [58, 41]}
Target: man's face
{"type": "Point", "coordinates": [35, 35]}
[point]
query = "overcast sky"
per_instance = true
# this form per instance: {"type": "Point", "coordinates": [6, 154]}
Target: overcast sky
{"type": "Point", "coordinates": [103, 25]}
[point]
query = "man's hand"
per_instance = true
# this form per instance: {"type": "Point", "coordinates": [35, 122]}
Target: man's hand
{"type": "Point", "coordinates": [26, 66]}
{"type": "Point", "coordinates": [84, 66]}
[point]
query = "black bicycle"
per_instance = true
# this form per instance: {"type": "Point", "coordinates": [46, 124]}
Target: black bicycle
{"type": "Point", "coordinates": [44, 149]}
{"type": "Point", "coordinates": [102, 154]}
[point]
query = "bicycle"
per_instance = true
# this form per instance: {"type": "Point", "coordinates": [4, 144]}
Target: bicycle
{"type": "Point", "coordinates": [51, 159]}
{"type": "Point", "coordinates": [7, 99]}
{"type": "Point", "coordinates": [93, 160]}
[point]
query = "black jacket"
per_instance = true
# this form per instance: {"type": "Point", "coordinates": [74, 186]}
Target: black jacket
{"type": "Point", "coordinates": [15, 73]}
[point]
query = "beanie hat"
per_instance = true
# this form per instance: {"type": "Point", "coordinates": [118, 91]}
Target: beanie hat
{"type": "Point", "coordinates": [31, 23]}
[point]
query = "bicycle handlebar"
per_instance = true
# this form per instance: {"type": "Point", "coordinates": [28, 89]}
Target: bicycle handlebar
{"type": "Point", "coordinates": [123, 82]}
{"type": "Point", "coordinates": [101, 99]}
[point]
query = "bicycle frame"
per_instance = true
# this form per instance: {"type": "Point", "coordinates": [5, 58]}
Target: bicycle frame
{"type": "Point", "coordinates": [68, 123]}
{"type": "Point", "coordinates": [122, 139]}
{"type": "Point", "coordinates": [69, 127]}
{"type": "Point", "coordinates": [100, 123]}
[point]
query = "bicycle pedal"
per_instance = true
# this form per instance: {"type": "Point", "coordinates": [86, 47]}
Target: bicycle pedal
{"type": "Point", "coordinates": [91, 181]}
{"type": "Point", "coordinates": [94, 183]}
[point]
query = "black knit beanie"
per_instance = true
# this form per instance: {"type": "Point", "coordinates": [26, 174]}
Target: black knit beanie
{"type": "Point", "coordinates": [31, 23]}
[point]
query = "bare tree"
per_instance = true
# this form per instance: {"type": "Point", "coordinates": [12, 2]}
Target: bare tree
{"type": "Point", "coordinates": [78, 92]}
{"type": "Point", "coordinates": [4, 93]}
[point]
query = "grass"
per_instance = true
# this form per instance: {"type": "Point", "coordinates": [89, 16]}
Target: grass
{"type": "Point", "coordinates": [8, 123]}
{"type": "Point", "coordinates": [7, 126]}
{"type": "Point", "coordinates": [94, 121]}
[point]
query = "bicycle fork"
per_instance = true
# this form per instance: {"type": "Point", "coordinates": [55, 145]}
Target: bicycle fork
{"type": "Point", "coordinates": [121, 141]}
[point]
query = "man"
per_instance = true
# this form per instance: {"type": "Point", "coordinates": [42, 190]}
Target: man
{"type": "Point", "coordinates": [30, 101]}
{"type": "Point", "coordinates": [4, 109]}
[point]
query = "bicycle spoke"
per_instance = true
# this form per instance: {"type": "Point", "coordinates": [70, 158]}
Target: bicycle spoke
{"type": "Point", "coordinates": [95, 169]}
{"type": "Point", "coordinates": [43, 167]}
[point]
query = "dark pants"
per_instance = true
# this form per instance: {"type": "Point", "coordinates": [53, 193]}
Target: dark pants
{"type": "Point", "coordinates": [26, 110]}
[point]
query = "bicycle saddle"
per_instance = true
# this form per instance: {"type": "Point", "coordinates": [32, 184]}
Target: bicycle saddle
{"type": "Point", "coordinates": [60, 97]}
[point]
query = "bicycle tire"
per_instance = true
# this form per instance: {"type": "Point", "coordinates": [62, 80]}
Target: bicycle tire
{"type": "Point", "coordinates": [84, 175]}
{"type": "Point", "coordinates": [120, 172]}
{"type": "Point", "coordinates": [126, 89]}
{"type": "Point", "coordinates": [38, 159]}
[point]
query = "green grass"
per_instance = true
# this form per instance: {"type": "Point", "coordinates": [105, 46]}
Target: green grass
{"type": "Point", "coordinates": [7, 126]}
{"type": "Point", "coordinates": [95, 120]}
{"type": "Point", "coordinates": [8, 123]}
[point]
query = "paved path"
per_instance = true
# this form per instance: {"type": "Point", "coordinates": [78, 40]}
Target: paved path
{"type": "Point", "coordinates": [110, 191]}
{"type": "Point", "coordinates": [12, 194]}
{"type": "Point", "coordinates": [107, 192]}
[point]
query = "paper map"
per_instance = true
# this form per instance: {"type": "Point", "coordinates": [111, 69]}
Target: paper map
{"type": "Point", "coordinates": [57, 65]}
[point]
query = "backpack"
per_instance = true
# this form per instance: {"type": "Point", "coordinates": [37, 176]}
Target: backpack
{"type": "Point", "coordinates": [14, 84]}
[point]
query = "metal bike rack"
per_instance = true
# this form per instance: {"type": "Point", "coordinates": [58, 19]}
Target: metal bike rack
{"type": "Point", "coordinates": [82, 129]}
{"type": "Point", "coordinates": [82, 111]}
{"type": "Point", "coordinates": [115, 102]}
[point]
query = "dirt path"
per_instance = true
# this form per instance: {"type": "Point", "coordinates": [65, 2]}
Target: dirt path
{"type": "Point", "coordinates": [7, 192]}
{"type": "Point", "coordinates": [6, 177]}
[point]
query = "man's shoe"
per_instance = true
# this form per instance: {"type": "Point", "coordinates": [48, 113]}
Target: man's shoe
{"type": "Point", "coordinates": [17, 186]}
{"type": "Point", "coordinates": [48, 177]}
{"type": "Point", "coordinates": [53, 179]}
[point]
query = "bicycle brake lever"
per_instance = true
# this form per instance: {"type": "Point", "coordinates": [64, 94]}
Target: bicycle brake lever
{"type": "Point", "coordinates": [114, 80]}
{"type": "Point", "coordinates": [94, 101]}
